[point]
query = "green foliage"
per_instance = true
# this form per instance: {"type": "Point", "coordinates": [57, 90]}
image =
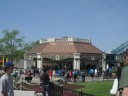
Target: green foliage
{"type": "Point", "coordinates": [97, 88]}
{"type": "Point", "coordinates": [14, 46]}
{"type": "Point", "coordinates": [30, 45]}
{"type": "Point", "coordinates": [11, 43]}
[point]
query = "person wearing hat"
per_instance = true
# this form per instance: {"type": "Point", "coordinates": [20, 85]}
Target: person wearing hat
{"type": "Point", "coordinates": [6, 81]}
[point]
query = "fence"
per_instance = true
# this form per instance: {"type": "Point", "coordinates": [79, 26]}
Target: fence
{"type": "Point", "coordinates": [60, 91]}
{"type": "Point", "coordinates": [56, 89]}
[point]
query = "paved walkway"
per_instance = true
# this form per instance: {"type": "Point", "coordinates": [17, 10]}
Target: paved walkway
{"type": "Point", "coordinates": [23, 93]}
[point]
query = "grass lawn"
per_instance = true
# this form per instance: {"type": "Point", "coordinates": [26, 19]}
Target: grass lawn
{"type": "Point", "coordinates": [97, 88]}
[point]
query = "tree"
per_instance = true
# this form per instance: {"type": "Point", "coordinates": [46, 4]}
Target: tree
{"type": "Point", "coordinates": [11, 44]}
{"type": "Point", "coordinates": [30, 45]}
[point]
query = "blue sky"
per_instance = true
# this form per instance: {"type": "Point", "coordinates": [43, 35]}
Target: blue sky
{"type": "Point", "coordinates": [104, 21]}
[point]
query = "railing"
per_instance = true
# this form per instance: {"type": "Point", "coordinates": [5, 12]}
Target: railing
{"type": "Point", "coordinates": [25, 86]}
{"type": "Point", "coordinates": [61, 91]}
{"type": "Point", "coordinates": [74, 93]}
{"type": "Point", "coordinates": [56, 90]}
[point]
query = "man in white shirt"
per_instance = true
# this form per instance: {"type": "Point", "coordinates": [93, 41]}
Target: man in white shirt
{"type": "Point", "coordinates": [6, 82]}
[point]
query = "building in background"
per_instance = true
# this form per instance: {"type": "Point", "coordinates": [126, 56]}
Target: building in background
{"type": "Point", "coordinates": [66, 52]}
{"type": "Point", "coordinates": [3, 60]}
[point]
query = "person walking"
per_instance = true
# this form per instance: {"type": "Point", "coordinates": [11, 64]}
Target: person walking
{"type": "Point", "coordinates": [50, 74]}
{"type": "Point", "coordinates": [29, 76]}
{"type": "Point", "coordinates": [6, 81]}
{"type": "Point", "coordinates": [91, 72]}
{"type": "Point", "coordinates": [75, 74]}
{"type": "Point", "coordinates": [45, 84]}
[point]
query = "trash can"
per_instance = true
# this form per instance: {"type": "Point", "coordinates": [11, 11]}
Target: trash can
{"type": "Point", "coordinates": [82, 76]}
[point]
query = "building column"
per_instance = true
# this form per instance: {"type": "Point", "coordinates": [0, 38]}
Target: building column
{"type": "Point", "coordinates": [25, 61]}
{"type": "Point", "coordinates": [39, 61]}
{"type": "Point", "coordinates": [103, 62]}
{"type": "Point", "coordinates": [76, 62]}
{"type": "Point", "coordinates": [34, 62]}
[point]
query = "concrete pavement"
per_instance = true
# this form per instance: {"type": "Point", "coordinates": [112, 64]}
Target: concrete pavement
{"type": "Point", "coordinates": [23, 93]}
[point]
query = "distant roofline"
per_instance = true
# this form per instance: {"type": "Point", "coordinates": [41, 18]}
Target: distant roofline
{"type": "Point", "coordinates": [65, 39]}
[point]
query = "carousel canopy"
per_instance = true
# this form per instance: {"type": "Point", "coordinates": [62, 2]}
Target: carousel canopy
{"type": "Point", "coordinates": [64, 48]}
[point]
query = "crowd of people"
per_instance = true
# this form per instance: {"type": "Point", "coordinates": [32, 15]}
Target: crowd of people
{"type": "Point", "coordinates": [64, 75]}
{"type": "Point", "coordinates": [47, 75]}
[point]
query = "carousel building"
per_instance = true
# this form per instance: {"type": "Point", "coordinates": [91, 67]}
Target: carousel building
{"type": "Point", "coordinates": [66, 52]}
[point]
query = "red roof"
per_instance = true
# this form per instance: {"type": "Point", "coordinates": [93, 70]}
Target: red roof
{"type": "Point", "coordinates": [65, 48]}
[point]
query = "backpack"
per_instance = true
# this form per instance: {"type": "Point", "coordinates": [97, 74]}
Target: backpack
{"type": "Point", "coordinates": [91, 72]}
